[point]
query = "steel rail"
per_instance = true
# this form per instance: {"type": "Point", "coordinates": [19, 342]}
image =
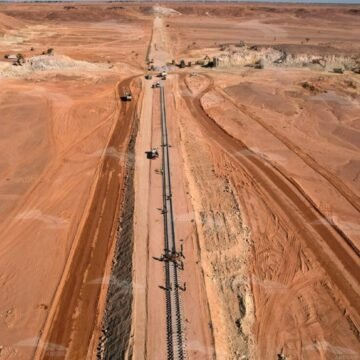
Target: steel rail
{"type": "Point", "coordinates": [175, 340]}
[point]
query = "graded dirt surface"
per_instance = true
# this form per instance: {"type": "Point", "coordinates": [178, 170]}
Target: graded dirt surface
{"type": "Point", "coordinates": [290, 284]}
{"type": "Point", "coordinates": [265, 170]}
{"type": "Point", "coordinates": [313, 27]}
{"type": "Point", "coordinates": [64, 141]}
{"type": "Point", "coordinates": [274, 177]}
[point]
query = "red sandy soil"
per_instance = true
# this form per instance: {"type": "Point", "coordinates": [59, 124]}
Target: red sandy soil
{"type": "Point", "coordinates": [265, 182]}
{"type": "Point", "coordinates": [314, 27]}
{"type": "Point", "coordinates": [304, 259]}
{"type": "Point", "coordinates": [98, 33]}
{"type": "Point", "coordinates": [149, 341]}
{"type": "Point", "coordinates": [274, 179]}
{"type": "Point", "coordinates": [64, 140]}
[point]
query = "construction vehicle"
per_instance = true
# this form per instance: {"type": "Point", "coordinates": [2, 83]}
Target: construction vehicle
{"type": "Point", "coordinates": [163, 73]}
{"type": "Point", "coordinates": [164, 77]}
{"type": "Point", "coordinates": [126, 94]}
{"type": "Point", "coordinates": [182, 64]}
{"type": "Point", "coordinates": [148, 76]}
{"type": "Point", "coordinates": [338, 70]}
{"type": "Point", "coordinates": [156, 85]}
{"type": "Point", "coordinates": [152, 154]}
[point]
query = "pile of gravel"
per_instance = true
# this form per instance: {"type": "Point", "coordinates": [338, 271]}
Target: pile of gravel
{"type": "Point", "coordinates": [55, 63]}
{"type": "Point", "coordinates": [271, 57]}
{"type": "Point", "coordinates": [165, 11]}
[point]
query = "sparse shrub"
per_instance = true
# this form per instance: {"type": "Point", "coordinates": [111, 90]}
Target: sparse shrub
{"type": "Point", "coordinates": [350, 84]}
{"type": "Point", "coordinates": [20, 59]}
{"type": "Point", "coordinates": [259, 64]}
{"type": "Point", "coordinates": [240, 44]}
{"type": "Point", "coordinates": [338, 70]}
{"type": "Point", "coordinates": [308, 86]}
{"type": "Point", "coordinates": [319, 61]}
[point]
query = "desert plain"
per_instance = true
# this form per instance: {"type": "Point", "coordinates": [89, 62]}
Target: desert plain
{"type": "Point", "coordinates": [263, 121]}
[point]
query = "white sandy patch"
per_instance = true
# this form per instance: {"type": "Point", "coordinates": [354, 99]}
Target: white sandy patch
{"type": "Point", "coordinates": [58, 63]}
{"type": "Point", "coordinates": [159, 10]}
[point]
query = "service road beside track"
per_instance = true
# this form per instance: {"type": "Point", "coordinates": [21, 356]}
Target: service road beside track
{"type": "Point", "coordinates": [174, 327]}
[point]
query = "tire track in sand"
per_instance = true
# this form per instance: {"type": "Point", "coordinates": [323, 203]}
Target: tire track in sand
{"type": "Point", "coordinates": [73, 313]}
{"type": "Point", "coordinates": [342, 188]}
{"type": "Point", "coordinates": [330, 248]}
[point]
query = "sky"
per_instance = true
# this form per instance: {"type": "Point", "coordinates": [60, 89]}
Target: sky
{"type": "Point", "coordinates": [268, 1]}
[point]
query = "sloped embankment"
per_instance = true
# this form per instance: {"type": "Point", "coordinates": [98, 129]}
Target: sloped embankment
{"type": "Point", "coordinates": [271, 57]}
{"type": "Point", "coordinates": [114, 340]}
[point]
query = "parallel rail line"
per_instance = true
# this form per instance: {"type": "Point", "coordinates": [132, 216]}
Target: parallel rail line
{"type": "Point", "coordinates": [174, 326]}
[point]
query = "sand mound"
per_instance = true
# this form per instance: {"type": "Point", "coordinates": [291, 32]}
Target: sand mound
{"type": "Point", "coordinates": [47, 63]}
{"type": "Point", "coordinates": [159, 10]}
{"type": "Point", "coordinates": [61, 12]}
{"type": "Point", "coordinates": [9, 23]}
{"type": "Point", "coordinates": [245, 56]}
{"type": "Point", "coordinates": [44, 62]}
{"type": "Point", "coordinates": [269, 56]}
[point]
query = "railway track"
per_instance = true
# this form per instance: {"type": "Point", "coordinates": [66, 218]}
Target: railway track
{"type": "Point", "coordinates": [174, 326]}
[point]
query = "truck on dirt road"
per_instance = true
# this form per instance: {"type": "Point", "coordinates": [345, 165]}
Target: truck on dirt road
{"type": "Point", "coordinates": [126, 94]}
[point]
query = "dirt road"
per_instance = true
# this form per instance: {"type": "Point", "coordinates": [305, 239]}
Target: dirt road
{"type": "Point", "coordinates": [272, 260]}
{"type": "Point", "coordinates": [148, 272]}
{"type": "Point", "coordinates": [264, 169]}
{"type": "Point", "coordinates": [90, 254]}
{"type": "Point", "coordinates": [305, 225]}
{"type": "Point", "coordinates": [142, 184]}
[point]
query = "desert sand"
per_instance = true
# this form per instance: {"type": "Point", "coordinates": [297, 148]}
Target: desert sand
{"type": "Point", "coordinates": [265, 168]}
